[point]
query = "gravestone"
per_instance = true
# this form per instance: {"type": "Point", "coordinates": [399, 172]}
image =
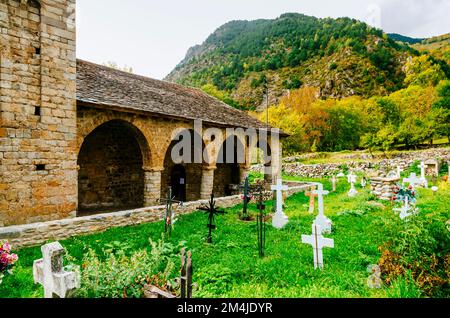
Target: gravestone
{"type": "Point", "coordinates": [312, 198]}
{"type": "Point", "coordinates": [363, 182]}
{"type": "Point", "coordinates": [279, 219]}
{"type": "Point", "coordinates": [324, 223]}
{"type": "Point", "coordinates": [50, 273]}
{"type": "Point", "coordinates": [334, 183]}
{"type": "Point", "coordinates": [413, 180]}
{"type": "Point", "coordinates": [406, 210]}
{"type": "Point", "coordinates": [432, 166]}
{"type": "Point", "coordinates": [374, 281]}
{"type": "Point", "coordinates": [392, 175]}
{"type": "Point", "coordinates": [352, 179]}
{"type": "Point", "coordinates": [318, 242]}
{"type": "Point", "coordinates": [247, 197]}
{"type": "Point", "coordinates": [186, 274]}
{"type": "Point", "coordinates": [423, 177]}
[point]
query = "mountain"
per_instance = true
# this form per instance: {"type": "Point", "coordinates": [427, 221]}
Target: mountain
{"type": "Point", "coordinates": [342, 57]}
{"type": "Point", "coordinates": [404, 39]}
{"type": "Point", "coordinates": [438, 47]}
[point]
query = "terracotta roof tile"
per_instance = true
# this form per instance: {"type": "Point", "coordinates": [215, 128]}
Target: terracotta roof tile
{"type": "Point", "coordinates": [100, 85]}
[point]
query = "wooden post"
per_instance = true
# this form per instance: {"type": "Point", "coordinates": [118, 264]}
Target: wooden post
{"type": "Point", "coordinates": [183, 274]}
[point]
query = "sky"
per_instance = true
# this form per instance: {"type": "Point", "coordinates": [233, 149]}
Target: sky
{"type": "Point", "coordinates": [153, 36]}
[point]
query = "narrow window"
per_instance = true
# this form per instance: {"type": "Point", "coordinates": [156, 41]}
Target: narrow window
{"type": "Point", "coordinates": [40, 167]}
{"type": "Point", "coordinates": [37, 111]}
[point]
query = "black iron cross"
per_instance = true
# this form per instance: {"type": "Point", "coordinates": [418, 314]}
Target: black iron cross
{"type": "Point", "coordinates": [247, 198]}
{"type": "Point", "coordinates": [212, 211]}
{"type": "Point", "coordinates": [169, 219]}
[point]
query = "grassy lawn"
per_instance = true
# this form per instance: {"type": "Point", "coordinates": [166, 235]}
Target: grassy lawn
{"type": "Point", "coordinates": [231, 266]}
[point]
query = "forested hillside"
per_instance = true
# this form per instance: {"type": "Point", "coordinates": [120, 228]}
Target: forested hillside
{"type": "Point", "coordinates": [342, 57]}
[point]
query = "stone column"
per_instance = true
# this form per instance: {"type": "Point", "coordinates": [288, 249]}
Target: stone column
{"type": "Point", "coordinates": [152, 186]}
{"type": "Point", "coordinates": [244, 171]}
{"type": "Point", "coordinates": [207, 185]}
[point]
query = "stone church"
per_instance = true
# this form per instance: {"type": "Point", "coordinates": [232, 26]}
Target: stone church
{"type": "Point", "coordinates": [79, 138]}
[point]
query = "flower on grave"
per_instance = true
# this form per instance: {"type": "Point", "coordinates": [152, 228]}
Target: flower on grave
{"type": "Point", "coordinates": [7, 260]}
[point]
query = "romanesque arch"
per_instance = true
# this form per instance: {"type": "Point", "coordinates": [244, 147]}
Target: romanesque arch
{"type": "Point", "coordinates": [184, 174]}
{"type": "Point", "coordinates": [111, 172]}
{"type": "Point", "coordinates": [231, 157]}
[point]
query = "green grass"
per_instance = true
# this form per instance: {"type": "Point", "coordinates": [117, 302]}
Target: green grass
{"type": "Point", "coordinates": [231, 267]}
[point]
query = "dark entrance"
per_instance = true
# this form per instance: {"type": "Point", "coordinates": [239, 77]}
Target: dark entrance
{"type": "Point", "coordinates": [178, 182]}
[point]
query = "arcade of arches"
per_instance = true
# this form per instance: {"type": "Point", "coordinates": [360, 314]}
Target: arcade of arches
{"type": "Point", "coordinates": [125, 162]}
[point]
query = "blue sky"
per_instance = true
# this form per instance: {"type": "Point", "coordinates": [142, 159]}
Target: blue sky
{"type": "Point", "coordinates": [153, 36]}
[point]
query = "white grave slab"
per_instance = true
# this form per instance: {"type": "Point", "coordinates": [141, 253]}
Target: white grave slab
{"type": "Point", "coordinates": [49, 272]}
{"type": "Point", "coordinates": [318, 242]}
{"type": "Point", "coordinates": [280, 219]}
{"type": "Point", "coordinates": [423, 176]}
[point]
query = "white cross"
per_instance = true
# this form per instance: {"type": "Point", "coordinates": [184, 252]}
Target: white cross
{"type": "Point", "coordinates": [318, 242]}
{"type": "Point", "coordinates": [334, 182]}
{"type": "Point", "coordinates": [405, 209]}
{"type": "Point", "coordinates": [423, 176]}
{"type": "Point", "coordinates": [352, 180]}
{"type": "Point", "coordinates": [412, 180]}
{"type": "Point", "coordinates": [279, 219]}
{"type": "Point", "coordinates": [50, 273]}
{"type": "Point", "coordinates": [322, 221]}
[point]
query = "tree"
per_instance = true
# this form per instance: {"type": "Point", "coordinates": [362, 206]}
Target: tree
{"type": "Point", "coordinates": [422, 71]}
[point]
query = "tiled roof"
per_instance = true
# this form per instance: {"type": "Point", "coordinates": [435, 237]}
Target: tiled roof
{"type": "Point", "coordinates": [107, 87]}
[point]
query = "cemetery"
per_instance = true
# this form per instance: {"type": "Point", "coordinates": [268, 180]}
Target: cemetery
{"type": "Point", "coordinates": [311, 243]}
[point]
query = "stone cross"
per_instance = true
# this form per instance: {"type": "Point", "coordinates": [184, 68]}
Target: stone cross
{"type": "Point", "coordinates": [312, 199]}
{"type": "Point", "coordinates": [423, 176]}
{"type": "Point", "coordinates": [405, 209]}
{"type": "Point", "coordinates": [413, 180]}
{"type": "Point", "coordinates": [334, 183]}
{"type": "Point", "coordinates": [321, 220]}
{"type": "Point", "coordinates": [352, 180]}
{"type": "Point", "coordinates": [50, 273]}
{"type": "Point", "coordinates": [279, 219]}
{"type": "Point", "coordinates": [318, 242]}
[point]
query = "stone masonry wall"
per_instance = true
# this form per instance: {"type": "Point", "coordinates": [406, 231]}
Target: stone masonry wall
{"type": "Point", "coordinates": [37, 111]}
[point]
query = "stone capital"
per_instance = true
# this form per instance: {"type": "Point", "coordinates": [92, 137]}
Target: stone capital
{"type": "Point", "coordinates": [153, 169]}
{"type": "Point", "coordinates": [209, 168]}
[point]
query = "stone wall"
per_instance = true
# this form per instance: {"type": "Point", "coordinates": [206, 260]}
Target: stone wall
{"type": "Point", "coordinates": [384, 188]}
{"type": "Point", "coordinates": [377, 166]}
{"type": "Point", "coordinates": [37, 111]}
{"type": "Point", "coordinates": [37, 234]}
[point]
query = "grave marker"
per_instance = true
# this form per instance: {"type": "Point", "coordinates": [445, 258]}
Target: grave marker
{"type": "Point", "coordinates": [49, 272]}
{"type": "Point", "coordinates": [279, 219]}
{"type": "Point", "coordinates": [334, 183]}
{"type": "Point", "coordinates": [352, 179]}
{"type": "Point", "coordinates": [312, 198]}
{"type": "Point", "coordinates": [423, 176]}
{"type": "Point", "coordinates": [413, 180]}
{"type": "Point", "coordinates": [321, 220]}
{"type": "Point", "coordinates": [212, 211]}
{"type": "Point", "coordinates": [170, 220]}
{"type": "Point", "coordinates": [318, 242]}
{"type": "Point", "coordinates": [247, 198]}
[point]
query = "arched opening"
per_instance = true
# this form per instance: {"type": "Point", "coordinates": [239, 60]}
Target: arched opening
{"type": "Point", "coordinates": [178, 182]}
{"type": "Point", "coordinates": [184, 173]}
{"type": "Point", "coordinates": [111, 175]}
{"type": "Point", "coordinates": [227, 174]}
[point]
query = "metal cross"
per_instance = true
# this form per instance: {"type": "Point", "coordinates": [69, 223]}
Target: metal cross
{"type": "Point", "coordinates": [169, 219]}
{"type": "Point", "coordinates": [212, 211]}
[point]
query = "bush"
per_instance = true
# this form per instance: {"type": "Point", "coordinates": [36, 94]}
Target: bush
{"type": "Point", "coordinates": [122, 276]}
{"type": "Point", "coordinates": [421, 248]}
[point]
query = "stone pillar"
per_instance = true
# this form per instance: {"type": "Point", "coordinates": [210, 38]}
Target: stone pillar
{"type": "Point", "coordinates": [207, 186]}
{"type": "Point", "coordinates": [244, 171]}
{"type": "Point", "coordinates": [152, 186]}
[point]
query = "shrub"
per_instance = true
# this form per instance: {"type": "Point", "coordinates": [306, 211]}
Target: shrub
{"type": "Point", "coordinates": [420, 247]}
{"type": "Point", "coordinates": [122, 276]}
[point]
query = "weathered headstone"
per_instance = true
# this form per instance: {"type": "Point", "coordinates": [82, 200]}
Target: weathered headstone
{"type": "Point", "coordinates": [334, 183]}
{"type": "Point", "coordinates": [186, 274]}
{"type": "Point", "coordinates": [50, 273]}
{"type": "Point", "coordinates": [312, 198]}
{"type": "Point", "coordinates": [279, 219]}
{"type": "Point", "coordinates": [321, 220]}
{"type": "Point", "coordinates": [363, 182]}
{"type": "Point", "coordinates": [352, 179]}
{"type": "Point", "coordinates": [399, 172]}
{"type": "Point", "coordinates": [374, 281]}
{"type": "Point", "coordinates": [318, 242]}
{"type": "Point", "coordinates": [432, 165]}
